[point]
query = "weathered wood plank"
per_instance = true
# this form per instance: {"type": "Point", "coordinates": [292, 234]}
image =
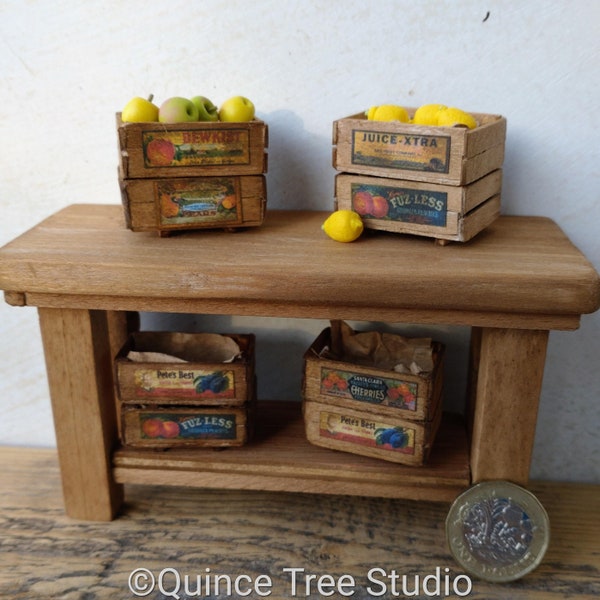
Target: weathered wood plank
{"type": "Point", "coordinates": [47, 555]}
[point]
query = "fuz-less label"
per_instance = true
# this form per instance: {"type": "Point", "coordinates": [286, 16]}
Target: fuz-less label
{"type": "Point", "coordinates": [184, 383]}
{"type": "Point", "coordinates": [384, 391]}
{"type": "Point", "coordinates": [160, 425]}
{"type": "Point", "coordinates": [366, 432]}
{"type": "Point", "coordinates": [391, 203]}
{"type": "Point", "coordinates": [198, 200]}
{"type": "Point", "coordinates": [401, 151]}
{"type": "Point", "coordinates": [196, 148]}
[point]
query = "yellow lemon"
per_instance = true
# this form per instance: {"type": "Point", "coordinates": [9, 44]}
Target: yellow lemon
{"type": "Point", "coordinates": [371, 112]}
{"type": "Point", "coordinates": [139, 110]}
{"type": "Point", "coordinates": [427, 114]}
{"type": "Point", "coordinates": [388, 112]}
{"type": "Point", "coordinates": [343, 226]}
{"type": "Point", "coordinates": [451, 117]}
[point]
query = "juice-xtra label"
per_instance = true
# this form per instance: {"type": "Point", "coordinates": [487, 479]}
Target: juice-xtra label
{"type": "Point", "coordinates": [366, 432]}
{"type": "Point", "coordinates": [391, 203]}
{"type": "Point", "coordinates": [196, 148]}
{"type": "Point", "coordinates": [196, 201]}
{"type": "Point", "coordinates": [384, 391]}
{"type": "Point", "coordinates": [184, 383]}
{"type": "Point", "coordinates": [192, 426]}
{"type": "Point", "coordinates": [401, 151]}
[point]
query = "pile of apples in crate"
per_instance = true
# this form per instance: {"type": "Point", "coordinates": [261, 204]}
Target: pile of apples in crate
{"type": "Point", "coordinates": [185, 110]}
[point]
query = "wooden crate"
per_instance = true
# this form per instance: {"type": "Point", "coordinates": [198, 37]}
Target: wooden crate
{"type": "Point", "coordinates": [367, 434]}
{"type": "Point", "coordinates": [175, 426]}
{"type": "Point", "coordinates": [195, 149]}
{"type": "Point", "coordinates": [365, 388]}
{"type": "Point", "coordinates": [447, 155]}
{"type": "Point", "coordinates": [444, 212]}
{"type": "Point", "coordinates": [166, 205]}
{"type": "Point", "coordinates": [192, 383]}
{"type": "Point", "coordinates": [357, 408]}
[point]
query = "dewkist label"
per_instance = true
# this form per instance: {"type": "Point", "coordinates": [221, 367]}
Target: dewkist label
{"type": "Point", "coordinates": [193, 148]}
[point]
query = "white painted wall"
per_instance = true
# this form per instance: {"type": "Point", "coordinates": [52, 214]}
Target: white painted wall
{"type": "Point", "coordinates": [67, 66]}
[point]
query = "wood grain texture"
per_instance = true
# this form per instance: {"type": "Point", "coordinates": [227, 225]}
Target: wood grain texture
{"type": "Point", "coordinates": [506, 382]}
{"type": "Point", "coordinates": [279, 458]}
{"type": "Point", "coordinates": [518, 266]}
{"type": "Point", "coordinates": [47, 556]}
{"type": "Point", "coordinates": [78, 363]}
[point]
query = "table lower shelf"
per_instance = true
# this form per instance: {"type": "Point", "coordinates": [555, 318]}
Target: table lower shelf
{"type": "Point", "coordinates": [279, 458]}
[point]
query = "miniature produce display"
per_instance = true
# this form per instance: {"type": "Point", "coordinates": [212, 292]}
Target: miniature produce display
{"type": "Point", "coordinates": [177, 109]}
{"type": "Point", "coordinates": [188, 164]}
{"type": "Point", "coordinates": [434, 170]}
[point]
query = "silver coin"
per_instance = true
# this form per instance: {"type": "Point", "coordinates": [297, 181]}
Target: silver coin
{"type": "Point", "coordinates": [497, 531]}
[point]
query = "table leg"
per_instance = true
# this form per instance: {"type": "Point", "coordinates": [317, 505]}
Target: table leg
{"type": "Point", "coordinates": [77, 348]}
{"type": "Point", "coordinates": [507, 367]}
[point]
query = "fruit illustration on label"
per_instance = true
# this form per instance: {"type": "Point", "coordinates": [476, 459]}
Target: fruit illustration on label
{"type": "Point", "coordinates": [160, 152]}
{"type": "Point", "coordinates": [363, 202]}
{"type": "Point", "coordinates": [396, 437]}
{"type": "Point", "coordinates": [380, 207]}
{"type": "Point", "coordinates": [216, 383]}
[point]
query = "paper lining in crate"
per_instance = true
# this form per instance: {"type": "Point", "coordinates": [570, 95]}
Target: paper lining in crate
{"type": "Point", "coordinates": [356, 407]}
{"type": "Point", "coordinates": [446, 155]}
{"type": "Point", "coordinates": [182, 389]}
{"type": "Point", "coordinates": [444, 212]}
{"type": "Point", "coordinates": [195, 175]}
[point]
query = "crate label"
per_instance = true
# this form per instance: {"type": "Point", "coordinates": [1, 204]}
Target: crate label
{"type": "Point", "coordinates": [383, 391]}
{"type": "Point", "coordinates": [390, 203]}
{"type": "Point", "coordinates": [184, 383]}
{"type": "Point", "coordinates": [196, 201]}
{"type": "Point", "coordinates": [401, 151]}
{"type": "Point", "coordinates": [366, 432]}
{"type": "Point", "coordinates": [196, 148]}
{"type": "Point", "coordinates": [189, 426]}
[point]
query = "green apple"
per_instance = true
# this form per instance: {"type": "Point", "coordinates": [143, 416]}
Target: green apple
{"type": "Point", "coordinates": [237, 108]}
{"type": "Point", "coordinates": [177, 110]}
{"type": "Point", "coordinates": [206, 109]}
{"type": "Point", "coordinates": [139, 110]}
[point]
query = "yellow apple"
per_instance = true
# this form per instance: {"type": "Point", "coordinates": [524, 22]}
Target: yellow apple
{"type": "Point", "coordinates": [140, 110]}
{"type": "Point", "coordinates": [237, 109]}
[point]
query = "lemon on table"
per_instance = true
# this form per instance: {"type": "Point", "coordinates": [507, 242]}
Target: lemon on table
{"type": "Point", "coordinates": [451, 117]}
{"type": "Point", "coordinates": [343, 225]}
{"type": "Point", "coordinates": [427, 114]}
{"type": "Point", "coordinates": [388, 112]}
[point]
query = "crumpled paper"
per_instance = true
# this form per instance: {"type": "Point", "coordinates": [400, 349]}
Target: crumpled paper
{"type": "Point", "coordinates": [386, 351]}
{"type": "Point", "coordinates": [184, 347]}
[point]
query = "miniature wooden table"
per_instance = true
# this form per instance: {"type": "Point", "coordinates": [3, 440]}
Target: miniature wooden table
{"type": "Point", "coordinates": [86, 272]}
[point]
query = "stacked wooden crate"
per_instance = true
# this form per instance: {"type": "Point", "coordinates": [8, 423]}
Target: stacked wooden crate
{"type": "Point", "coordinates": [376, 412]}
{"type": "Point", "coordinates": [194, 175]}
{"type": "Point", "coordinates": [440, 182]}
{"type": "Point", "coordinates": [199, 401]}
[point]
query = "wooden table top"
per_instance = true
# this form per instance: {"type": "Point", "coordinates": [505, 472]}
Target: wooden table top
{"type": "Point", "coordinates": [47, 555]}
{"type": "Point", "coordinates": [519, 265]}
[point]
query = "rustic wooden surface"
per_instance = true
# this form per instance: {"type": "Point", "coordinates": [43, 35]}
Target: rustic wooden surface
{"type": "Point", "coordinates": [45, 555]}
{"type": "Point", "coordinates": [520, 272]}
